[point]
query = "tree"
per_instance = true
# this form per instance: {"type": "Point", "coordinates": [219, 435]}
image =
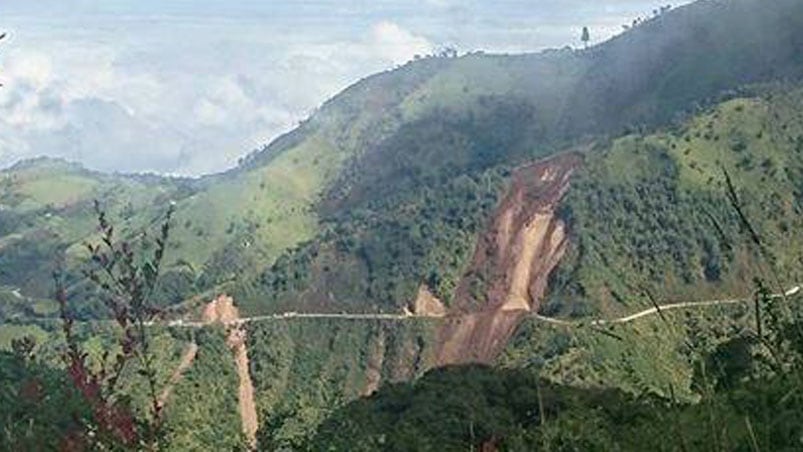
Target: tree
{"type": "Point", "coordinates": [586, 36]}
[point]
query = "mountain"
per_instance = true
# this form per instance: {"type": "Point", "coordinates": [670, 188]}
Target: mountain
{"type": "Point", "coordinates": [473, 193]}
{"type": "Point", "coordinates": [393, 160]}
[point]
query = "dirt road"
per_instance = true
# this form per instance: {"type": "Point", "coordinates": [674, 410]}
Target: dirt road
{"type": "Point", "coordinates": [186, 361]}
{"type": "Point", "coordinates": [660, 308]}
{"type": "Point", "coordinates": [407, 316]}
{"type": "Point", "coordinates": [222, 310]}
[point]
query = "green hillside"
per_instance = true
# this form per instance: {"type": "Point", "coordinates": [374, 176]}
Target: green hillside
{"type": "Point", "coordinates": [304, 369]}
{"type": "Point", "coordinates": [694, 379]}
{"type": "Point", "coordinates": [403, 215]}
{"type": "Point", "coordinates": [368, 170]}
{"type": "Point", "coordinates": [52, 413]}
{"type": "Point", "coordinates": [396, 184]}
{"type": "Point", "coordinates": [650, 214]}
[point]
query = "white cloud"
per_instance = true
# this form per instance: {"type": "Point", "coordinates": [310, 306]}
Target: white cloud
{"type": "Point", "coordinates": [442, 3]}
{"type": "Point", "coordinates": [29, 99]}
{"type": "Point", "coordinates": [394, 43]}
{"type": "Point", "coordinates": [52, 106]}
{"type": "Point", "coordinates": [188, 100]}
{"type": "Point", "coordinates": [384, 45]}
{"type": "Point", "coordinates": [35, 68]}
{"type": "Point", "coordinates": [190, 94]}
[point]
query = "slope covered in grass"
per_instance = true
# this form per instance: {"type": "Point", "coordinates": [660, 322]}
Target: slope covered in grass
{"type": "Point", "coordinates": [650, 213]}
{"type": "Point", "coordinates": [413, 155]}
{"type": "Point", "coordinates": [408, 211]}
{"type": "Point", "coordinates": [739, 389]}
{"type": "Point", "coordinates": [303, 369]}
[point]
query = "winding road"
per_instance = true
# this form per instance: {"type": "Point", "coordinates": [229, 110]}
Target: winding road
{"type": "Point", "coordinates": [659, 309]}
{"type": "Point", "coordinates": [398, 317]}
{"type": "Point", "coordinates": [237, 339]}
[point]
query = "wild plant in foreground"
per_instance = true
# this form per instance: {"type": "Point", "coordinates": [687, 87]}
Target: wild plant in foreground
{"type": "Point", "coordinates": [125, 274]}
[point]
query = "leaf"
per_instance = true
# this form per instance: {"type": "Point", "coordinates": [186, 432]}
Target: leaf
{"type": "Point", "coordinates": [150, 272]}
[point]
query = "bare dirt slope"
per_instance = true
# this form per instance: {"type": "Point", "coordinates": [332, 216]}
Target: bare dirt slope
{"type": "Point", "coordinates": [523, 245]}
{"type": "Point", "coordinates": [223, 310]}
{"type": "Point", "coordinates": [373, 371]}
{"type": "Point", "coordinates": [427, 305]}
{"type": "Point", "coordinates": [186, 361]}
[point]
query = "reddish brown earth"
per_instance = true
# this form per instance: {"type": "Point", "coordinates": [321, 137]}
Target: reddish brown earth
{"type": "Point", "coordinates": [373, 371]}
{"type": "Point", "coordinates": [521, 247]}
{"type": "Point", "coordinates": [223, 310]}
{"type": "Point", "coordinates": [517, 253]}
{"type": "Point", "coordinates": [426, 304]}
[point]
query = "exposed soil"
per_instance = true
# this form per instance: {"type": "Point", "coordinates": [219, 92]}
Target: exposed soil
{"type": "Point", "coordinates": [427, 305]}
{"type": "Point", "coordinates": [248, 410]}
{"type": "Point", "coordinates": [533, 242]}
{"type": "Point", "coordinates": [186, 361]}
{"type": "Point", "coordinates": [373, 371]}
{"type": "Point", "coordinates": [520, 249]}
{"type": "Point", "coordinates": [223, 310]}
{"type": "Point", "coordinates": [522, 246]}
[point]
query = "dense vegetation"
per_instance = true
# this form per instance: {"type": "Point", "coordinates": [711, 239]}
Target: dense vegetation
{"type": "Point", "coordinates": [387, 187]}
{"type": "Point", "coordinates": [746, 397]}
{"type": "Point", "coordinates": [456, 409]}
{"type": "Point", "coordinates": [650, 214]}
{"type": "Point", "coordinates": [202, 411]}
{"type": "Point", "coordinates": [387, 159]}
{"type": "Point", "coordinates": [304, 369]}
{"type": "Point", "coordinates": [40, 410]}
{"type": "Point", "coordinates": [393, 214]}
{"type": "Point", "coordinates": [418, 227]}
{"type": "Point", "coordinates": [43, 410]}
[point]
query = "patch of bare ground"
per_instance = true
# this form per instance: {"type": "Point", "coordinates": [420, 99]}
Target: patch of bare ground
{"type": "Point", "coordinates": [186, 361]}
{"type": "Point", "coordinates": [373, 371]}
{"type": "Point", "coordinates": [427, 305]}
{"type": "Point", "coordinates": [223, 310]}
{"type": "Point", "coordinates": [524, 243]}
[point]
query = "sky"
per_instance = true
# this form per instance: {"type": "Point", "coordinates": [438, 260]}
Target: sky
{"type": "Point", "coordinates": [186, 87]}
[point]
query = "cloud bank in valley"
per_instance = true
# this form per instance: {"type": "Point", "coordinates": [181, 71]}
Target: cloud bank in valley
{"type": "Point", "coordinates": [189, 87]}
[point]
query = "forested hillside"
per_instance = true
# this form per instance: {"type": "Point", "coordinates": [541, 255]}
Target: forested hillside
{"type": "Point", "coordinates": [509, 210]}
{"type": "Point", "coordinates": [650, 214]}
{"type": "Point", "coordinates": [418, 155]}
{"type": "Point", "coordinates": [403, 215]}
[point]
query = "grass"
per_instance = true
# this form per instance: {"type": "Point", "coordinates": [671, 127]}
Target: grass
{"type": "Point", "coordinates": [750, 134]}
{"type": "Point", "coordinates": [647, 356]}
{"type": "Point", "coordinates": [10, 332]}
{"type": "Point", "coordinates": [274, 202]}
{"type": "Point", "coordinates": [46, 183]}
{"type": "Point", "coordinates": [649, 212]}
{"type": "Point", "coordinates": [57, 192]}
{"type": "Point", "coordinates": [545, 80]}
{"type": "Point", "coordinates": [303, 369]}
